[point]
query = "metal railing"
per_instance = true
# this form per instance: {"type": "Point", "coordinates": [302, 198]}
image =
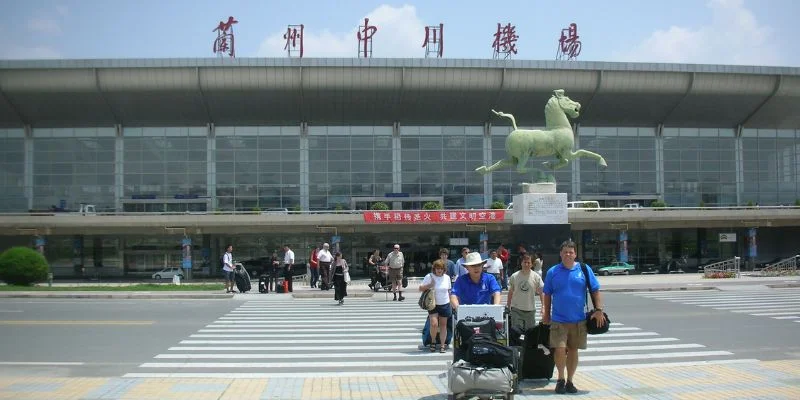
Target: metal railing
{"type": "Point", "coordinates": [785, 267]}
{"type": "Point", "coordinates": [723, 269]}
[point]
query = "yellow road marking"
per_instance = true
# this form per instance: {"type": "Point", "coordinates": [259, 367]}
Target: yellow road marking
{"type": "Point", "coordinates": [77, 322]}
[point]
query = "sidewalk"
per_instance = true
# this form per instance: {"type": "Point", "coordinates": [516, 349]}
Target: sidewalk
{"type": "Point", "coordinates": [358, 288]}
{"type": "Point", "coordinates": [741, 380]}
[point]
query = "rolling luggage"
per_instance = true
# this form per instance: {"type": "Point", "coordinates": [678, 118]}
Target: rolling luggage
{"type": "Point", "coordinates": [242, 279]}
{"type": "Point", "coordinates": [280, 286]}
{"type": "Point", "coordinates": [537, 357]}
{"type": "Point", "coordinates": [262, 284]}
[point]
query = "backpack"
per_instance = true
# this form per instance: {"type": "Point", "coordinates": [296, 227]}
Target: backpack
{"type": "Point", "coordinates": [485, 352]}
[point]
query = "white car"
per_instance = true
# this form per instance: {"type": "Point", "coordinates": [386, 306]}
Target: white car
{"type": "Point", "coordinates": [168, 273]}
{"type": "Point", "coordinates": [632, 205]}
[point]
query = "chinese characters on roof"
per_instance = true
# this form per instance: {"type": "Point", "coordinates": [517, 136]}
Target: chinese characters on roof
{"type": "Point", "coordinates": [433, 217]}
{"type": "Point", "coordinates": [504, 40]}
{"type": "Point", "coordinates": [224, 44]}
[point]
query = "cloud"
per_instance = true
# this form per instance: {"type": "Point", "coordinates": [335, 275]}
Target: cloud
{"type": "Point", "coordinates": [62, 11]}
{"type": "Point", "coordinates": [16, 52]}
{"type": "Point", "coordinates": [733, 36]}
{"type": "Point", "coordinates": [400, 34]}
{"type": "Point", "coordinates": [44, 25]}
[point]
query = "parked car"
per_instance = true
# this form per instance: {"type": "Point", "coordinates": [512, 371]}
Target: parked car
{"type": "Point", "coordinates": [168, 273]}
{"type": "Point", "coordinates": [632, 205]}
{"type": "Point", "coordinates": [616, 267]}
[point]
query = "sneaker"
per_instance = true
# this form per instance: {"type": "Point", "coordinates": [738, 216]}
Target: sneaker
{"type": "Point", "coordinates": [401, 298]}
{"type": "Point", "coordinates": [560, 387]}
{"type": "Point", "coordinates": [570, 388]}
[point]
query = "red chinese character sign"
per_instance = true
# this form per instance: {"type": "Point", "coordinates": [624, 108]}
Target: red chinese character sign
{"type": "Point", "coordinates": [294, 40]}
{"type": "Point", "coordinates": [434, 41]}
{"type": "Point", "coordinates": [434, 217]}
{"type": "Point", "coordinates": [569, 47]}
{"type": "Point", "coordinates": [224, 43]}
{"type": "Point", "coordinates": [364, 35]}
{"type": "Point", "coordinates": [505, 41]}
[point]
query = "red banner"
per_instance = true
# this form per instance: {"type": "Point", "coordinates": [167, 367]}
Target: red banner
{"type": "Point", "coordinates": [433, 217]}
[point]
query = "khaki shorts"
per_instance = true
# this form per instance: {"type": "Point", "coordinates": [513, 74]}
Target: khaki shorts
{"type": "Point", "coordinates": [395, 275]}
{"type": "Point", "coordinates": [571, 336]}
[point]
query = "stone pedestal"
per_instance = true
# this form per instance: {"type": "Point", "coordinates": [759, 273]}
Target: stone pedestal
{"type": "Point", "coordinates": [540, 221]}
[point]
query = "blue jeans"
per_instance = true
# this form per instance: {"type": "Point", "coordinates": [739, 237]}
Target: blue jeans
{"type": "Point", "coordinates": [314, 276]}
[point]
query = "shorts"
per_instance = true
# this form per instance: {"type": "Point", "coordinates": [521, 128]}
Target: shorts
{"type": "Point", "coordinates": [522, 319]}
{"type": "Point", "coordinates": [395, 275]}
{"type": "Point", "coordinates": [571, 336]}
{"type": "Point", "coordinates": [443, 310]}
{"type": "Point", "coordinates": [228, 275]}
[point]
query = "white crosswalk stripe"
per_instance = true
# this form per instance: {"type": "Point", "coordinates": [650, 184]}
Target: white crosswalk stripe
{"type": "Point", "coordinates": [313, 338]}
{"type": "Point", "coordinates": [779, 304]}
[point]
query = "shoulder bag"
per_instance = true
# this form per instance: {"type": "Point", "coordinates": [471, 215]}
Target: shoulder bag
{"type": "Point", "coordinates": [591, 324]}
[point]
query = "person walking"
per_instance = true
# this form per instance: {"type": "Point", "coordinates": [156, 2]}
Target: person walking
{"type": "Point", "coordinates": [451, 269]}
{"type": "Point", "coordinates": [503, 254]}
{"type": "Point", "coordinates": [227, 268]}
{"type": "Point", "coordinates": [395, 262]}
{"type": "Point", "coordinates": [524, 287]}
{"type": "Point", "coordinates": [313, 266]}
{"type": "Point", "coordinates": [537, 263]}
{"type": "Point", "coordinates": [325, 259]}
{"type": "Point", "coordinates": [272, 272]}
{"type": "Point", "coordinates": [372, 263]}
{"type": "Point", "coordinates": [439, 281]}
{"type": "Point", "coordinates": [288, 260]}
{"type": "Point", "coordinates": [340, 268]}
{"type": "Point", "coordinates": [478, 287]}
{"type": "Point", "coordinates": [494, 266]}
{"type": "Point", "coordinates": [562, 308]}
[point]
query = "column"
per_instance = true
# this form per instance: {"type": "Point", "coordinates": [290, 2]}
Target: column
{"type": "Point", "coordinates": [397, 173]}
{"type": "Point", "coordinates": [660, 161]}
{"type": "Point", "coordinates": [28, 174]}
{"type": "Point", "coordinates": [575, 165]}
{"type": "Point", "coordinates": [623, 246]}
{"type": "Point", "coordinates": [488, 191]}
{"type": "Point", "coordinates": [304, 166]}
{"type": "Point", "coordinates": [119, 168]}
{"type": "Point", "coordinates": [211, 167]}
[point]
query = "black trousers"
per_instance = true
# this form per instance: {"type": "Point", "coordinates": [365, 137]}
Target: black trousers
{"type": "Point", "coordinates": [287, 274]}
{"type": "Point", "coordinates": [272, 280]}
{"type": "Point", "coordinates": [339, 287]}
{"type": "Point", "coordinates": [325, 274]}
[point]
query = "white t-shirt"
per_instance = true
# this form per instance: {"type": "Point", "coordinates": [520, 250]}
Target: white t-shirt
{"type": "Point", "coordinates": [441, 287]}
{"type": "Point", "coordinates": [494, 266]}
{"type": "Point", "coordinates": [324, 256]}
{"type": "Point", "coordinates": [524, 287]}
{"type": "Point", "coordinates": [228, 260]}
{"type": "Point", "coordinates": [288, 258]}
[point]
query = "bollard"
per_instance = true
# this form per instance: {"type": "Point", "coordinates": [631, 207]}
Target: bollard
{"type": "Point", "coordinates": [50, 279]}
{"type": "Point", "coordinates": [176, 280]}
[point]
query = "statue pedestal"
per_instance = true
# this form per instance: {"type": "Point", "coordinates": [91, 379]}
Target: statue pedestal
{"type": "Point", "coordinates": [541, 222]}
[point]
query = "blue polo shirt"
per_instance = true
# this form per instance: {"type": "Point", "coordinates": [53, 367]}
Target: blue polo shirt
{"type": "Point", "coordinates": [568, 290]}
{"type": "Point", "coordinates": [469, 292]}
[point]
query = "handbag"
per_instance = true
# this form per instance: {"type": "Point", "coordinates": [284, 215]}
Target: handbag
{"type": "Point", "coordinates": [405, 282]}
{"type": "Point", "coordinates": [464, 377]}
{"type": "Point", "coordinates": [346, 277]}
{"type": "Point", "coordinates": [427, 301]}
{"type": "Point", "coordinates": [591, 324]}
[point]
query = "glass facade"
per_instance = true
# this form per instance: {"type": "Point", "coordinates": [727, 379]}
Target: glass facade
{"type": "Point", "coordinates": [770, 166]}
{"type": "Point", "coordinates": [12, 170]}
{"type": "Point", "coordinates": [346, 162]}
{"type": "Point", "coordinates": [440, 161]}
{"type": "Point", "coordinates": [631, 157]}
{"type": "Point", "coordinates": [73, 166]}
{"type": "Point", "coordinates": [699, 167]}
{"type": "Point", "coordinates": [328, 167]}
{"type": "Point", "coordinates": [257, 167]}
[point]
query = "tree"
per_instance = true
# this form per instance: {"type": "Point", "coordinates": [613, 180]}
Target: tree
{"type": "Point", "coordinates": [432, 205]}
{"type": "Point", "coordinates": [498, 205]}
{"type": "Point", "coordinates": [379, 205]}
{"type": "Point", "coordinates": [23, 266]}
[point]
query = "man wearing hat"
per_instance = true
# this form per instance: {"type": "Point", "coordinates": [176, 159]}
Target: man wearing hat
{"type": "Point", "coordinates": [477, 287]}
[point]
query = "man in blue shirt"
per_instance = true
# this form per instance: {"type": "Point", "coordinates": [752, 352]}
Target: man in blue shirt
{"type": "Point", "coordinates": [453, 270]}
{"type": "Point", "coordinates": [565, 291]}
{"type": "Point", "coordinates": [477, 287]}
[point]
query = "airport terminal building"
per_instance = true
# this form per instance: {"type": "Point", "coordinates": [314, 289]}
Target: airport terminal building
{"type": "Point", "coordinates": [213, 149]}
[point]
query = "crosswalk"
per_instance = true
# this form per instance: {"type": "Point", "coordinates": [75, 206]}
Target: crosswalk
{"type": "Point", "coordinates": [780, 304]}
{"type": "Point", "coordinates": [315, 338]}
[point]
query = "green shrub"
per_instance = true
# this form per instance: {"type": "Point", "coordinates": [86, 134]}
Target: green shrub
{"type": "Point", "coordinates": [341, 207]}
{"type": "Point", "coordinates": [432, 205]}
{"type": "Point", "coordinates": [379, 205]}
{"type": "Point", "coordinates": [658, 203]}
{"type": "Point", "coordinates": [797, 203]}
{"type": "Point", "coordinates": [23, 266]}
{"type": "Point", "coordinates": [750, 203]}
{"type": "Point", "coordinates": [498, 205]}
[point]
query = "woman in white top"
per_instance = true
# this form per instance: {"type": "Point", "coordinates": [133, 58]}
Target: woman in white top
{"type": "Point", "coordinates": [440, 283]}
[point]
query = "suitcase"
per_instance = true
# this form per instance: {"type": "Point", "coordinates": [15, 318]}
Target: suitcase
{"type": "Point", "coordinates": [280, 287]}
{"type": "Point", "coordinates": [537, 357]}
{"type": "Point", "coordinates": [262, 284]}
{"type": "Point", "coordinates": [242, 279]}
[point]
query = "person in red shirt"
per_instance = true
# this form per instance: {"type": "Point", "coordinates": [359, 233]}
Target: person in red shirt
{"type": "Point", "coordinates": [503, 255]}
{"type": "Point", "coordinates": [314, 266]}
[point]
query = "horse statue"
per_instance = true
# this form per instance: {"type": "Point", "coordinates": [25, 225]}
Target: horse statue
{"type": "Point", "coordinates": [556, 139]}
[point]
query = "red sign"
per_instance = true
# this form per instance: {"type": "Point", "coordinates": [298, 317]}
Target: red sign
{"type": "Point", "coordinates": [224, 43]}
{"type": "Point", "coordinates": [433, 217]}
{"type": "Point", "coordinates": [364, 35]}
{"type": "Point", "coordinates": [505, 40]}
{"type": "Point", "coordinates": [569, 46]}
{"type": "Point", "coordinates": [434, 40]}
{"type": "Point", "coordinates": [292, 36]}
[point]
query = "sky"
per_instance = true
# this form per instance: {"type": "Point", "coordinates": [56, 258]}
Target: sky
{"type": "Point", "coordinates": [738, 32]}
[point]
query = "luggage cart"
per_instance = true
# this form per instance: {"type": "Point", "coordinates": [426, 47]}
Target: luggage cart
{"type": "Point", "coordinates": [479, 312]}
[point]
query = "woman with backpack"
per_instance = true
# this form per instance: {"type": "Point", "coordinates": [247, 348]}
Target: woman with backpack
{"type": "Point", "coordinates": [439, 281]}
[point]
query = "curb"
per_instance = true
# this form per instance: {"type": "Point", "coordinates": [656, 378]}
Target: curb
{"type": "Point", "coordinates": [663, 289]}
{"type": "Point", "coordinates": [783, 285]}
{"type": "Point", "coordinates": [326, 295]}
{"type": "Point", "coordinates": [123, 295]}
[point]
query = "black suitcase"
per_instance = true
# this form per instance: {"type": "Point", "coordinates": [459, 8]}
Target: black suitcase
{"type": "Point", "coordinates": [279, 286]}
{"type": "Point", "coordinates": [242, 282]}
{"type": "Point", "coordinates": [262, 284]}
{"type": "Point", "coordinates": [537, 363]}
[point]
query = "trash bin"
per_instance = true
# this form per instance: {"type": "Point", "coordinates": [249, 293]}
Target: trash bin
{"type": "Point", "coordinates": [176, 279]}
